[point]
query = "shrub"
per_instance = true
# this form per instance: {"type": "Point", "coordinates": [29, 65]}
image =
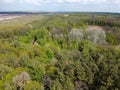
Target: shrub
{"type": "Point", "coordinates": [49, 53]}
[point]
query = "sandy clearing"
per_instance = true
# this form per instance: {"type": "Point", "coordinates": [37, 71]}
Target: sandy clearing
{"type": "Point", "coordinates": [7, 16]}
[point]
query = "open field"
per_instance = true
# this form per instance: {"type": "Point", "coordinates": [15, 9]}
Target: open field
{"type": "Point", "coordinates": [7, 16]}
{"type": "Point", "coordinates": [6, 19]}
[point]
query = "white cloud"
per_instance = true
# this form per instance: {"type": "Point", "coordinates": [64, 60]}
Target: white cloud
{"type": "Point", "coordinates": [35, 2]}
{"type": "Point", "coordinates": [8, 1]}
{"type": "Point", "coordinates": [117, 1]}
{"type": "Point", "coordinates": [82, 1]}
{"type": "Point", "coordinates": [39, 2]}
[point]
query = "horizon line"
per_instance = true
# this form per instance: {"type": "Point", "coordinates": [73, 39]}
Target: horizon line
{"type": "Point", "coordinates": [57, 11]}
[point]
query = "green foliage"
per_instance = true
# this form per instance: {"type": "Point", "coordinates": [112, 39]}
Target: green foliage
{"type": "Point", "coordinates": [37, 70]}
{"type": "Point", "coordinates": [54, 47]}
{"type": "Point", "coordinates": [4, 70]}
{"type": "Point", "coordinates": [49, 53]}
{"type": "Point", "coordinates": [68, 84]}
{"type": "Point", "coordinates": [51, 70]}
{"type": "Point", "coordinates": [32, 85]}
{"type": "Point", "coordinates": [58, 52]}
{"type": "Point", "coordinates": [6, 82]}
{"type": "Point", "coordinates": [111, 38]}
{"type": "Point", "coordinates": [15, 30]}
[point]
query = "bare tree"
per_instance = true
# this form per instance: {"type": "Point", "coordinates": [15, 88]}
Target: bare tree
{"type": "Point", "coordinates": [21, 79]}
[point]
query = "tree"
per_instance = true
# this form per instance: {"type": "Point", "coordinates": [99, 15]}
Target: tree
{"type": "Point", "coordinates": [21, 79]}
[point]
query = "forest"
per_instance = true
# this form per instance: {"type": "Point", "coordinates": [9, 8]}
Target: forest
{"type": "Point", "coordinates": [63, 51]}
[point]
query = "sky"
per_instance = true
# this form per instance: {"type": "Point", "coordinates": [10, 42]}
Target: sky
{"type": "Point", "coordinates": [61, 5]}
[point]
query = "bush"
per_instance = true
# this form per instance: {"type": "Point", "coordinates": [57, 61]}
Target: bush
{"type": "Point", "coordinates": [49, 53]}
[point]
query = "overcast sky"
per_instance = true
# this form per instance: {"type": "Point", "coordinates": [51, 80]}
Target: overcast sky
{"type": "Point", "coordinates": [61, 5]}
